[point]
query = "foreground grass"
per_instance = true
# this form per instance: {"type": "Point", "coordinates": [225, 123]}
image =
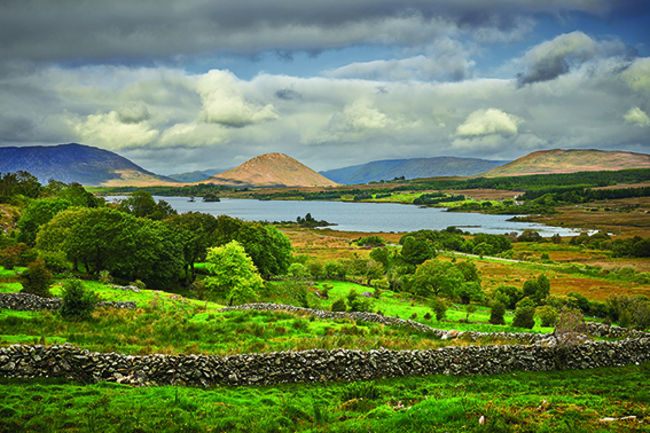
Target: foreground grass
{"type": "Point", "coordinates": [560, 401]}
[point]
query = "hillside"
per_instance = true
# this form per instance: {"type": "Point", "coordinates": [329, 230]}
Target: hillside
{"type": "Point", "coordinates": [73, 162]}
{"type": "Point", "coordinates": [271, 169]}
{"type": "Point", "coordinates": [195, 176]}
{"type": "Point", "coordinates": [571, 161]}
{"type": "Point", "coordinates": [410, 168]}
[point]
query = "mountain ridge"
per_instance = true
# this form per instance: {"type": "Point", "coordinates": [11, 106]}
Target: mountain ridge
{"type": "Point", "coordinates": [410, 168]}
{"type": "Point", "coordinates": [74, 162]}
{"type": "Point", "coordinates": [555, 161]}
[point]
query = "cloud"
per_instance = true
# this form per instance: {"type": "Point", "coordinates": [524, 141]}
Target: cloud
{"type": "Point", "coordinates": [488, 122]}
{"type": "Point", "coordinates": [637, 76]}
{"type": "Point", "coordinates": [224, 102]}
{"type": "Point", "coordinates": [637, 117]}
{"type": "Point", "coordinates": [554, 58]}
{"type": "Point", "coordinates": [445, 60]}
{"type": "Point", "coordinates": [142, 32]}
{"type": "Point", "coordinates": [109, 131]}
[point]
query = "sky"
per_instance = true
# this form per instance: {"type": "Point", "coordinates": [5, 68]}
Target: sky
{"type": "Point", "coordinates": [178, 86]}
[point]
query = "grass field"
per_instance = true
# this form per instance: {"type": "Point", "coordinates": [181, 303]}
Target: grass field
{"type": "Point", "coordinates": [559, 401]}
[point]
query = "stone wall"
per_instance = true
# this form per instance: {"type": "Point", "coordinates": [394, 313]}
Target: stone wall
{"type": "Point", "coordinates": [317, 365]}
{"type": "Point", "coordinates": [29, 302]}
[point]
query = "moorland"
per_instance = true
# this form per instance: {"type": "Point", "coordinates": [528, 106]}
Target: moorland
{"type": "Point", "coordinates": [61, 240]}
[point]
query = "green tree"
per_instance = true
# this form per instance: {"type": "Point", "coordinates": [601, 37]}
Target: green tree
{"type": "Point", "coordinates": [37, 214]}
{"type": "Point", "coordinates": [233, 273]}
{"type": "Point", "coordinates": [269, 248]}
{"type": "Point", "coordinates": [416, 251]}
{"type": "Point", "coordinates": [436, 278]}
{"type": "Point", "coordinates": [525, 314]}
{"type": "Point", "coordinates": [497, 313]}
{"type": "Point", "coordinates": [142, 205]}
{"type": "Point", "coordinates": [195, 233]}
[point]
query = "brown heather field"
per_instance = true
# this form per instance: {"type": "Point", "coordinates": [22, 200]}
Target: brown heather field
{"type": "Point", "coordinates": [625, 217]}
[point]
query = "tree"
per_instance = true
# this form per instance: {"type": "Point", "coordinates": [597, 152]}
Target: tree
{"type": "Point", "coordinates": [142, 205]}
{"type": "Point", "coordinates": [525, 314]}
{"type": "Point", "coordinates": [78, 302]}
{"type": "Point", "coordinates": [233, 273]}
{"type": "Point", "coordinates": [416, 251]}
{"type": "Point", "coordinates": [194, 232]}
{"type": "Point", "coordinates": [37, 214]}
{"type": "Point", "coordinates": [436, 278]}
{"type": "Point", "coordinates": [107, 239]}
{"type": "Point", "coordinates": [470, 291]}
{"type": "Point", "coordinates": [497, 313]}
{"type": "Point", "coordinates": [269, 248]}
{"type": "Point", "coordinates": [469, 270]}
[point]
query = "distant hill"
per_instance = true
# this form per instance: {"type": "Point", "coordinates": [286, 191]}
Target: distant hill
{"type": "Point", "coordinates": [272, 169]}
{"type": "Point", "coordinates": [74, 162]}
{"type": "Point", "coordinates": [195, 176]}
{"type": "Point", "coordinates": [413, 168]}
{"type": "Point", "coordinates": [571, 161]}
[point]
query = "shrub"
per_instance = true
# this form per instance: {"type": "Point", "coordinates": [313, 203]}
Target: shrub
{"type": "Point", "coordinates": [497, 313]}
{"type": "Point", "coordinates": [358, 303]}
{"type": "Point", "coordinates": [139, 284]}
{"type": "Point", "coordinates": [339, 306]}
{"type": "Point", "coordinates": [105, 277]}
{"type": "Point", "coordinates": [36, 279]}
{"type": "Point", "coordinates": [78, 302]}
{"type": "Point", "coordinates": [525, 314]}
{"type": "Point", "coordinates": [439, 308]}
{"type": "Point", "coordinates": [548, 315]}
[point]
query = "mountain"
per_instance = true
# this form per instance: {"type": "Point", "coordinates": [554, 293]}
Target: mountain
{"type": "Point", "coordinates": [74, 162]}
{"type": "Point", "coordinates": [571, 161]}
{"type": "Point", "coordinates": [195, 176]}
{"type": "Point", "coordinates": [413, 168]}
{"type": "Point", "coordinates": [271, 169]}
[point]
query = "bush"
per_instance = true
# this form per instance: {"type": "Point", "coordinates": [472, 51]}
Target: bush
{"type": "Point", "coordinates": [78, 302]}
{"type": "Point", "coordinates": [339, 306]}
{"type": "Point", "coordinates": [439, 308]}
{"type": "Point", "coordinates": [497, 313]}
{"type": "Point", "coordinates": [524, 315]}
{"type": "Point", "coordinates": [548, 315]}
{"type": "Point", "coordinates": [36, 279]}
{"type": "Point", "coordinates": [358, 303]}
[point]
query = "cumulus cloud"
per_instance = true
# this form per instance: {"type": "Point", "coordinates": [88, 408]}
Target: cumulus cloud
{"type": "Point", "coordinates": [551, 59]}
{"type": "Point", "coordinates": [488, 122]}
{"type": "Point", "coordinates": [224, 102]}
{"type": "Point", "coordinates": [637, 116]}
{"type": "Point", "coordinates": [109, 131]}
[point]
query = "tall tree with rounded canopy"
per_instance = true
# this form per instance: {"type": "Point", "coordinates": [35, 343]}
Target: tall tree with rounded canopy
{"type": "Point", "coordinates": [233, 273]}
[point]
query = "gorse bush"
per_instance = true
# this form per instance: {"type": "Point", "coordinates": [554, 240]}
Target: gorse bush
{"type": "Point", "coordinates": [78, 302]}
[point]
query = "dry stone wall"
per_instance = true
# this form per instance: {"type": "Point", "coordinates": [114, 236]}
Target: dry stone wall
{"type": "Point", "coordinates": [310, 366]}
{"type": "Point", "coordinates": [29, 302]}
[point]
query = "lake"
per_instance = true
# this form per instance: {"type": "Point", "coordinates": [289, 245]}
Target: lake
{"type": "Point", "coordinates": [361, 217]}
